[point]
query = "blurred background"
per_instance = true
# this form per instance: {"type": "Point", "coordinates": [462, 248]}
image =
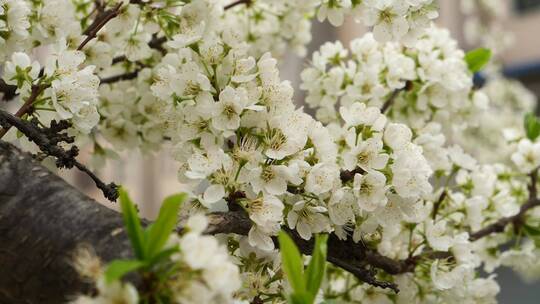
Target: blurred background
{"type": "Point", "coordinates": [151, 177]}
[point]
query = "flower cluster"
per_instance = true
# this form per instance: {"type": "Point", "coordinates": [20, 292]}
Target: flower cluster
{"type": "Point", "coordinates": [55, 19]}
{"type": "Point", "coordinates": [66, 88]}
{"type": "Point", "coordinates": [429, 81]}
{"type": "Point", "coordinates": [391, 19]}
{"type": "Point", "coordinates": [207, 274]}
{"type": "Point", "coordinates": [499, 127]}
{"type": "Point", "coordinates": [130, 41]}
{"type": "Point", "coordinates": [14, 25]}
{"type": "Point", "coordinates": [271, 25]}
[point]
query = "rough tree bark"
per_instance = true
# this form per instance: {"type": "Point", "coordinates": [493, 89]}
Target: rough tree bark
{"type": "Point", "coordinates": [42, 220]}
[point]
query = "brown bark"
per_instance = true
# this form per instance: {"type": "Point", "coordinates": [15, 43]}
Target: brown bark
{"type": "Point", "coordinates": [42, 220]}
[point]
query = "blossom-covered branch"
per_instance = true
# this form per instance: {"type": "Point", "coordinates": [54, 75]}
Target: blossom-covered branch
{"type": "Point", "coordinates": [516, 220]}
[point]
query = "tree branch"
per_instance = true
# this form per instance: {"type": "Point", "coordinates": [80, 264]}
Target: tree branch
{"type": "Point", "coordinates": [438, 204]}
{"type": "Point", "coordinates": [516, 220]}
{"type": "Point", "coordinates": [37, 205]}
{"type": "Point", "coordinates": [26, 107]}
{"type": "Point", "coordinates": [99, 23]}
{"type": "Point", "coordinates": [390, 101]}
{"type": "Point", "coordinates": [238, 2]}
{"type": "Point", "coordinates": [47, 139]}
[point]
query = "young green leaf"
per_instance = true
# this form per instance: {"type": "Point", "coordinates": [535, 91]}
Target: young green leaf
{"type": "Point", "coordinates": [292, 263]}
{"type": "Point", "coordinates": [531, 231]}
{"type": "Point", "coordinates": [132, 224]}
{"type": "Point", "coordinates": [477, 59]}
{"type": "Point", "coordinates": [118, 268]}
{"type": "Point", "coordinates": [532, 126]}
{"type": "Point", "coordinates": [161, 229]}
{"type": "Point", "coordinates": [299, 298]}
{"type": "Point", "coordinates": [162, 255]}
{"type": "Point", "coordinates": [317, 266]}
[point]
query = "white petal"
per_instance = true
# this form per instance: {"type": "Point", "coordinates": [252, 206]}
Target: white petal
{"type": "Point", "coordinates": [213, 194]}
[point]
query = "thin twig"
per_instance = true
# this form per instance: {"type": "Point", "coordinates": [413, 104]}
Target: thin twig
{"type": "Point", "coordinates": [157, 44]}
{"type": "Point", "coordinates": [47, 139]}
{"type": "Point", "coordinates": [26, 107]}
{"type": "Point", "coordinates": [98, 24]}
{"type": "Point", "coordinates": [126, 76]}
{"type": "Point", "coordinates": [390, 101]}
{"type": "Point", "coordinates": [229, 6]}
{"type": "Point", "coordinates": [438, 204]}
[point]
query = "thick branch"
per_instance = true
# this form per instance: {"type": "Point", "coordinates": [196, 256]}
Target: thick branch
{"type": "Point", "coordinates": [346, 254]}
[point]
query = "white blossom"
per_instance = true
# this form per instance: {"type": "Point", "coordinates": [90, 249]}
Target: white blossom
{"type": "Point", "coordinates": [370, 189]}
{"type": "Point", "coordinates": [307, 219]}
{"type": "Point", "coordinates": [527, 156]}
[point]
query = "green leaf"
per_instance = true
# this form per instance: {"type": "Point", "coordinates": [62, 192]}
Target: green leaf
{"type": "Point", "coordinates": [163, 255]}
{"type": "Point", "coordinates": [531, 230]}
{"type": "Point", "coordinates": [532, 126]}
{"type": "Point", "coordinates": [299, 298]}
{"type": "Point", "coordinates": [292, 263]}
{"type": "Point", "coordinates": [161, 229]}
{"type": "Point", "coordinates": [317, 266]}
{"type": "Point", "coordinates": [477, 59]}
{"type": "Point", "coordinates": [132, 224]}
{"type": "Point", "coordinates": [118, 268]}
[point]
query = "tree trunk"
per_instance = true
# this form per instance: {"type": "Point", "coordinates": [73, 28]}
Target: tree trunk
{"type": "Point", "coordinates": [42, 220]}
